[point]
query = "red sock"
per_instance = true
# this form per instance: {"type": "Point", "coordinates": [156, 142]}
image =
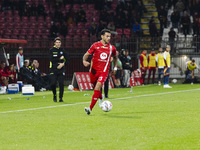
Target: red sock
{"type": "Point", "coordinates": [94, 98]}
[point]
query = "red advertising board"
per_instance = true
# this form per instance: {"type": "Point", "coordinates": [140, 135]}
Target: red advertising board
{"type": "Point", "coordinates": [81, 81]}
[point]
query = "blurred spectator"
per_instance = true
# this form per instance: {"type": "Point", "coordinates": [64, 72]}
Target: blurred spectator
{"type": "Point", "coordinates": [81, 16]}
{"type": "Point", "coordinates": [6, 5]}
{"type": "Point", "coordinates": [111, 26]}
{"type": "Point", "coordinates": [12, 74]}
{"type": "Point", "coordinates": [69, 17]}
{"type": "Point", "coordinates": [172, 3]}
{"type": "Point", "coordinates": [162, 16]}
{"type": "Point", "coordinates": [118, 74]}
{"type": "Point", "coordinates": [41, 9]}
{"type": "Point", "coordinates": [19, 61]}
{"type": "Point", "coordinates": [172, 36]}
{"type": "Point", "coordinates": [40, 79]}
{"type": "Point", "coordinates": [143, 65]}
{"type": "Point", "coordinates": [137, 29]}
{"type": "Point", "coordinates": [93, 28]}
{"type": "Point", "coordinates": [54, 30]}
{"type": "Point", "coordinates": [64, 29]}
{"type": "Point", "coordinates": [126, 65]}
{"type": "Point", "coordinates": [175, 18]}
{"type": "Point", "coordinates": [152, 28]}
{"type": "Point", "coordinates": [99, 4]}
{"type": "Point", "coordinates": [4, 76]}
{"type": "Point", "coordinates": [26, 73]}
{"type": "Point", "coordinates": [58, 16]}
{"type": "Point", "coordinates": [196, 24]}
{"type": "Point", "coordinates": [185, 22]}
{"type": "Point", "coordinates": [152, 66]}
{"type": "Point", "coordinates": [180, 7]}
{"type": "Point", "coordinates": [107, 4]}
{"type": "Point", "coordinates": [139, 8]}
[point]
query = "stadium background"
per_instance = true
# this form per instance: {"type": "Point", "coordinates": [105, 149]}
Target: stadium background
{"type": "Point", "coordinates": [39, 21]}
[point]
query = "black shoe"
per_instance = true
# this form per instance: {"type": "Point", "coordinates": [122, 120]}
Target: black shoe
{"type": "Point", "coordinates": [106, 96]}
{"type": "Point", "coordinates": [61, 100]}
{"type": "Point", "coordinates": [55, 99]}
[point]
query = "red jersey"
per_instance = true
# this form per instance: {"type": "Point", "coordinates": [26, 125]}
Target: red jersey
{"type": "Point", "coordinates": [101, 56]}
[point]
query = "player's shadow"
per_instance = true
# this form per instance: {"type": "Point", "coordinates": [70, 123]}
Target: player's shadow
{"type": "Point", "coordinates": [122, 116]}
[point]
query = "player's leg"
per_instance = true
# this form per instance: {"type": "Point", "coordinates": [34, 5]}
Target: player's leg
{"type": "Point", "coordinates": [153, 78]}
{"type": "Point", "coordinates": [61, 86]}
{"type": "Point", "coordinates": [106, 85]}
{"type": "Point", "coordinates": [149, 75]}
{"type": "Point", "coordinates": [53, 86]}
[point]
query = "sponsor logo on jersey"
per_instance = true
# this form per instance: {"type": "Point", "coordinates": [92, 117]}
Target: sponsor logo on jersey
{"type": "Point", "coordinates": [103, 55]}
{"type": "Point", "coordinates": [104, 47]}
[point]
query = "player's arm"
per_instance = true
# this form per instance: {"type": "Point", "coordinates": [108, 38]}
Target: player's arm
{"type": "Point", "coordinates": [115, 59]}
{"type": "Point", "coordinates": [85, 57]}
{"type": "Point", "coordinates": [91, 66]}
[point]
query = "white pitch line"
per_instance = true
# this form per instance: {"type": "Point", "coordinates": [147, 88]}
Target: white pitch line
{"type": "Point", "coordinates": [47, 107]}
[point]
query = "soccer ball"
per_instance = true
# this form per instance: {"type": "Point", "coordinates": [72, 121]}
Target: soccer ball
{"type": "Point", "coordinates": [106, 106]}
{"type": "Point", "coordinates": [174, 81]}
{"type": "Point", "coordinates": [70, 87]}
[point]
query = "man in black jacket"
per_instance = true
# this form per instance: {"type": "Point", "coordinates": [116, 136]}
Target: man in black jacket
{"type": "Point", "coordinates": [58, 59]}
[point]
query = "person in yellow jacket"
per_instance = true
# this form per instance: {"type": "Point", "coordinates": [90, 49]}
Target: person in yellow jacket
{"type": "Point", "coordinates": [166, 72]}
{"type": "Point", "coordinates": [160, 63]}
{"type": "Point", "coordinates": [143, 66]}
{"type": "Point", "coordinates": [189, 70]}
{"type": "Point", "coordinates": [152, 66]}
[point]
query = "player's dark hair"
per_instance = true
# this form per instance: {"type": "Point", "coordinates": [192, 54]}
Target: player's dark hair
{"type": "Point", "coordinates": [104, 31]}
{"type": "Point", "coordinates": [20, 48]}
{"type": "Point", "coordinates": [193, 60]}
{"type": "Point", "coordinates": [57, 38]}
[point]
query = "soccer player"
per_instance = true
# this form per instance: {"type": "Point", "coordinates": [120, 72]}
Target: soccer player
{"type": "Point", "coordinates": [166, 72]}
{"type": "Point", "coordinates": [189, 70]}
{"type": "Point", "coordinates": [160, 64]}
{"type": "Point", "coordinates": [152, 65]}
{"type": "Point", "coordinates": [143, 65]}
{"type": "Point", "coordinates": [58, 59]}
{"type": "Point", "coordinates": [102, 52]}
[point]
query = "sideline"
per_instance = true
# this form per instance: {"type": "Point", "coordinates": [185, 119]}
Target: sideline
{"type": "Point", "coordinates": [47, 107]}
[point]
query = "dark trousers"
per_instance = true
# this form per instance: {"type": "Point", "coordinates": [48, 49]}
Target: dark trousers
{"type": "Point", "coordinates": [153, 70]}
{"type": "Point", "coordinates": [160, 72]}
{"type": "Point", "coordinates": [53, 79]}
{"type": "Point", "coordinates": [143, 74]}
{"type": "Point", "coordinates": [106, 86]}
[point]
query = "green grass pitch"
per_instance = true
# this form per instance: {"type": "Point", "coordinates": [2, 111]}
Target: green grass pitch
{"type": "Point", "coordinates": [150, 118]}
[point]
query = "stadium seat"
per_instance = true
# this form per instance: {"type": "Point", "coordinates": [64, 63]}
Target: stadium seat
{"type": "Point", "coordinates": [47, 31]}
{"type": "Point", "coordinates": [91, 6]}
{"type": "Point", "coordinates": [32, 19]}
{"type": "Point", "coordinates": [39, 32]}
{"type": "Point", "coordinates": [127, 31]}
{"type": "Point", "coordinates": [23, 32]}
{"type": "Point", "coordinates": [6, 36]}
{"type": "Point", "coordinates": [16, 13]}
{"type": "Point", "coordinates": [8, 32]}
{"type": "Point", "coordinates": [96, 13]}
{"type": "Point", "coordinates": [86, 32]}
{"type": "Point", "coordinates": [79, 32]}
{"type": "Point", "coordinates": [119, 31]}
{"type": "Point", "coordinates": [24, 19]}
{"type": "Point", "coordinates": [76, 7]}
{"type": "Point", "coordinates": [37, 37]}
{"type": "Point", "coordinates": [77, 41]}
{"type": "Point", "coordinates": [48, 25]}
{"type": "Point", "coordinates": [8, 13]}
{"type": "Point", "coordinates": [29, 37]}
{"type": "Point", "coordinates": [41, 25]}
{"type": "Point", "coordinates": [93, 39]}
{"type": "Point", "coordinates": [31, 32]}
{"type": "Point", "coordinates": [67, 7]}
{"type": "Point", "coordinates": [17, 25]}
{"type": "Point", "coordinates": [84, 6]}
{"type": "Point", "coordinates": [71, 32]}
{"type": "Point", "coordinates": [16, 32]}
{"type": "Point", "coordinates": [68, 41]}
{"type": "Point", "coordinates": [9, 19]}
{"type": "Point", "coordinates": [21, 37]}
{"type": "Point", "coordinates": [40, 19]}
{"type": "Point", "coordinates": [87, 25]}
{"type": "Point", "coordinates": [17, 19]}
{"type": "Point", "coordinates": [2, 26]}
{"type": "Point", "coordinates": [25, 25]}
{"type": "Point", "coordinates": [80, 25]}
{"type": "Point", "coordinates": [85, 41]}
{"type": "Point", "coordinates": [9, 25]}
{"type": "Point", "coordinates": [14, 37]}
{"type": "Point", "coordinates": [33, 25]}
{"type": "Point", "coordinates": [48, 19]}
{"type": "Point", "coordinates": [2, 20]}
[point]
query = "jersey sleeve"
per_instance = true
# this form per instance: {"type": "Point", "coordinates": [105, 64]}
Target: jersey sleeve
{"type": "Point", "coordinates": [91, 49]}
